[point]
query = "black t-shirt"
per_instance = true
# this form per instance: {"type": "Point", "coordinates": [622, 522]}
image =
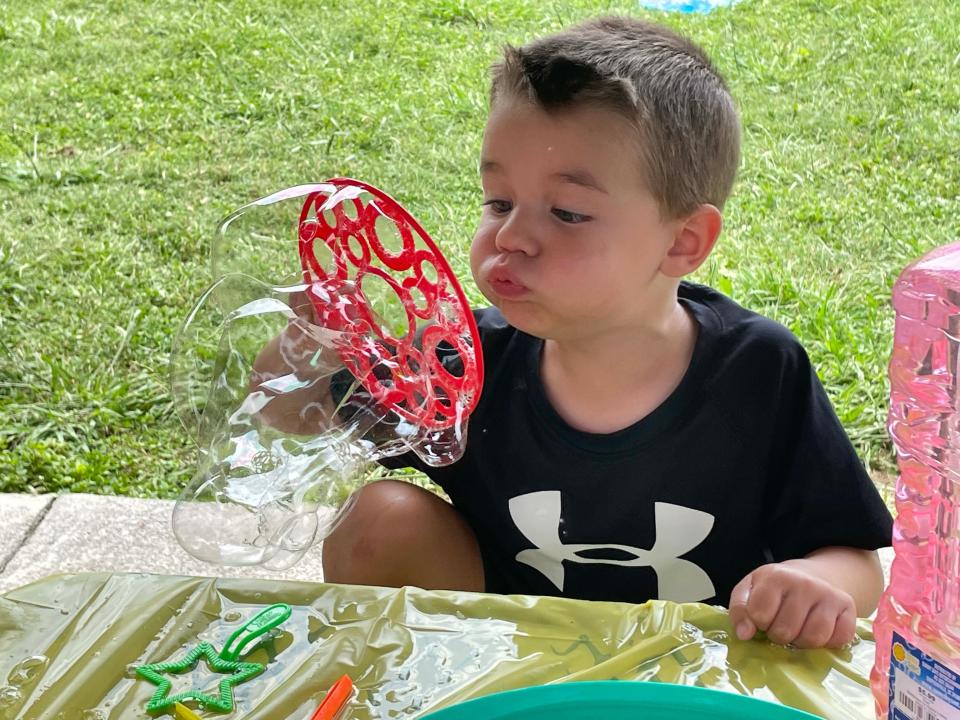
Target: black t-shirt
{"type": "Point", "coordinates": [745, 463]}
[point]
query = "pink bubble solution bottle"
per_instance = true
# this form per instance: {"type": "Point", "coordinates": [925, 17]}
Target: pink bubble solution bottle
{"type": "Point", "coordinates": [917, 628]}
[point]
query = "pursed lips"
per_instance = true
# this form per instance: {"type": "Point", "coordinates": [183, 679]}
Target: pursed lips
{"type": "Point", "coordinates": [505, 283]}
{"type": "Point", "coordinates": [500, 274]}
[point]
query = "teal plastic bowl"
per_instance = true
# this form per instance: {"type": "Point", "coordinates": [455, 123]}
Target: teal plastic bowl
{"type": "Point", "coordinates": [616, 700]}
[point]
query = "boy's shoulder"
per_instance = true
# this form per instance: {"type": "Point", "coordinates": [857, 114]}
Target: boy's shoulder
{"type": "Point", "coordinates": [732, 328]}
{"type": "Point", "coordinates": [731, 315]}
{"type": "Point", "coordinates": [731, 336]}
{"type": "Point", "coordinates": [500, 341]}
{"type": "Point", "coordinates": [494, 328]}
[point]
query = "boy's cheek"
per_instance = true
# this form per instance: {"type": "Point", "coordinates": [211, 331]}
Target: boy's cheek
{"type": "Point", "coordinates": [481, 248]}
{"type": "Point", "coordinates": [476, 259]}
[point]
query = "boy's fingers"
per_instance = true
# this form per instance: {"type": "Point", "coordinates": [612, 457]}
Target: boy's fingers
{"type": "Point", "coordinates": [761, 602]}
{"type": "Point", "coordinates": [739, 617]}
{"type": "Point", "coordinates": [766, 595]}
{"type": "Point", "coordinates": [845, 628]}
{"type": "Point", "coordinates": [301, 305]}
{"type": "Point", "coordinates": [791, 616]}
{"type": "Point", "coordinates": [746, 629]}
{"type": "Point", "coordinates": [819, 627]}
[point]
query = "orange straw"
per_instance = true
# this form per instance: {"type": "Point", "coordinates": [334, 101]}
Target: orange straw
{"type": "Point", "coordinates": [334, 700]}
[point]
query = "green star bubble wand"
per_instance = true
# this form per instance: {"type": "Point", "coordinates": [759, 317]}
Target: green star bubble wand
{"type": "Point", "coordinates": [226, 662]}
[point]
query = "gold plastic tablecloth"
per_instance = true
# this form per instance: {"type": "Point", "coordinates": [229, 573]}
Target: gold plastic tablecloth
{"type": "Point", "coordinates": [69, 645]}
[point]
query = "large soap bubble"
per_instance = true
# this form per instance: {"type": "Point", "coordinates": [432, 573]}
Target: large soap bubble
{"type": "Point", "coordinates": [334, 335]}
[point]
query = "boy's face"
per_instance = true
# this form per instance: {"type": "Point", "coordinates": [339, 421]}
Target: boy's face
{"type": "Point", "coordinates": [570, 242]}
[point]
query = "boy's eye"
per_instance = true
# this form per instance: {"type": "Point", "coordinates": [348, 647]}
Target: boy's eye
{"type": "Point", "coordinates": [499, 207]}
{"type": "Point", "coordinates": [569, 216]}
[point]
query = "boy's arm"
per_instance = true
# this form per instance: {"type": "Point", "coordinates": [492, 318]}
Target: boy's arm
{"type": "Point", "coordinates": [283, 406]}
{"type": "Point", "coordinates": [292, 373]}
{"type": "Point", "coordinates": [808, 602]}
{"type": "Point", "coordinates": [853, 570]}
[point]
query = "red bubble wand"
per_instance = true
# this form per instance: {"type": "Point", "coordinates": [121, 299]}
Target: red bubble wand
{"type": "Point", "coordinates": [351, 224]}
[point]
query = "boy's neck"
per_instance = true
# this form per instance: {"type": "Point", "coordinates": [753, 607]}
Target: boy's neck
{"type": "Point", "coordinates": [607, 380]}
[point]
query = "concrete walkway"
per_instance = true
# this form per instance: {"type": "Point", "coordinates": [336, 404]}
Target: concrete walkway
{"type": "Point", "coordinates": [43, 535]}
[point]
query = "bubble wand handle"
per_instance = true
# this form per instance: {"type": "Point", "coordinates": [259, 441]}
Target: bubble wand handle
{"type": "Point", "coordinates": [261, 623]}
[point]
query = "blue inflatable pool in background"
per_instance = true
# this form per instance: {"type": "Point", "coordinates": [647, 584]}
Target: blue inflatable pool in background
{"type": "Point", "coordinates": [688, 6]}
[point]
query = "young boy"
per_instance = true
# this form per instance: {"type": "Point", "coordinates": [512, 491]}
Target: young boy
{"type": "Point", "coordinates": [638, 436]}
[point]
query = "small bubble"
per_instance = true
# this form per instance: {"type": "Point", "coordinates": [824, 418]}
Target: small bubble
{"type": "Point", "coordinates": [232, 616]}
{"type": "Point", "coordinates": [64, 611]}
{"type": "Point", "coordinates": [27, 670]}
{"type": "Point", "coordinates": [189, 624]}
{"type": "Point", "coordinates": [8, 696]}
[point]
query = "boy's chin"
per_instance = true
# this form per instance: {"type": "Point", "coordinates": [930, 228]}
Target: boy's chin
{"type": "Point", "coordinates": [521, 316]}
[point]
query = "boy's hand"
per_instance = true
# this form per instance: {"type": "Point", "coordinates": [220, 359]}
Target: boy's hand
{"type": "Point", "coordinates": [298, 351]}
{"type": "Point", "coordinates": [793, 606]}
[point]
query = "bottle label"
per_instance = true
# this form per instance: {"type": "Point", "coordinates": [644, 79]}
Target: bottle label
{"type": "Point", "coordinates": [921, 687]}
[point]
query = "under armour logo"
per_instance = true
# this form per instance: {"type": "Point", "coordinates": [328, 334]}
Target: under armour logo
{"type": "Point", "coordinates": [678, 531]}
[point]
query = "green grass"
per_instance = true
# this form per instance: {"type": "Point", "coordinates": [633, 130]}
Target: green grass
{"type": "Point", "coordinates": [128, 129]}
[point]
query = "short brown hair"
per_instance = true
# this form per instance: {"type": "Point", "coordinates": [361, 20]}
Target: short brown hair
{"type": "Point", "coordinates": [661, 82]}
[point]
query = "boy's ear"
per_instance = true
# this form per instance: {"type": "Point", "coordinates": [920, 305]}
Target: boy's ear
{"type": "Point", "coordinates": [694, 239]}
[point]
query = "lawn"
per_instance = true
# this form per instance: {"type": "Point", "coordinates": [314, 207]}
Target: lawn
{"type": "Point", "coordinates": [129, 128]}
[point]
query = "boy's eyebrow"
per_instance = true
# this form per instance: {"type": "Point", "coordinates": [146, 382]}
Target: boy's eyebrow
{"type": "Point", "coordinates": [580, 177]}
{"type": "Point", "coordinates": [576, 177]}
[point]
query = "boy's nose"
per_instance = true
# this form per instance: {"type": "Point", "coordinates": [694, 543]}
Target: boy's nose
{"type": "Point", "coordinates": [517, 235]}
